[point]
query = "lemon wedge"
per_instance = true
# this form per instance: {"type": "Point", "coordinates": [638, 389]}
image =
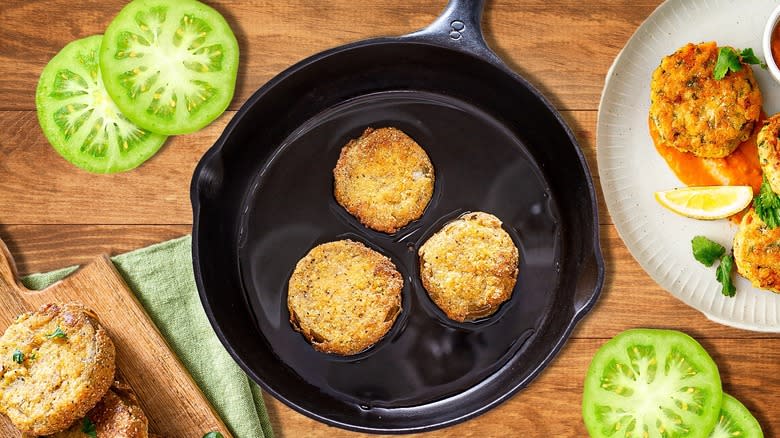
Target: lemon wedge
{"type": "Point", "coordinates": [711, 202]}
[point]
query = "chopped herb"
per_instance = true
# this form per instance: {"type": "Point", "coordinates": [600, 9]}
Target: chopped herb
{"type": "Point", "coordinates": [213, 435]}
{"type": "Point", "coordinates": [18, 356]}
{"type": "Point", "coordinates": [33, 356]}
{"type": "Point", "coordinates": [767, 205]}
{"type": "Point", "coordinates": [88, 427]}
{"type": "Point", "coordinates": [706, 251]}
{"type": "Point", "coordinates": [748, 57]}
{"type": "Point", "coordinates": [59, 334]}
{"type": "Point", "coordinates": [723, 274]}
{"type": "Point", "coordinates": [730, 60]}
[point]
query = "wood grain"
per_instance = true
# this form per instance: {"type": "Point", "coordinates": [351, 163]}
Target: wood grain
{"type": "Point", "coordinates": [41, 248]}
{"type": "Point", "coordinates": [562, 46]}
{"type": "Point", "coordinates": [54, 215]}
{"type": "Point", "coordinates": [155, 193]}
{"type": "Point", "coordinates": [628, 291]}
{"type": "Point", "coordinates": [174, 404]}
{"type": "Point", "coordinates": [159, 189]}
{"type": "Point", "coordinates": [551, 405]}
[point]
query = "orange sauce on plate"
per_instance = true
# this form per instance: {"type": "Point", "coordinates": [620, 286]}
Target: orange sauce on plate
{"type": "Point", "coordinates": [740, 168]}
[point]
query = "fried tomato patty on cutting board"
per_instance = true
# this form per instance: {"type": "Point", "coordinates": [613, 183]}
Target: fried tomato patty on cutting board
{"type": "Point", "coordinates": [117, 415]}
{"type": "Point", "coordinates": [694, 112]}
{"type": "Point", "coordinates": [757, 252]}
{"type": "Point", "coordinates": [470, 266]}
{"type": "Point", "coordinates": [55, 365]}
{"type": "Point", "coordinates": [343, 297]}
{"type": "Point", "coordinates": [384, 179]}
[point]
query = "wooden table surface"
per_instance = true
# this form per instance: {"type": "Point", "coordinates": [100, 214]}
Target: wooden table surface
{"type": "Point", "coordinates": [54, 215]}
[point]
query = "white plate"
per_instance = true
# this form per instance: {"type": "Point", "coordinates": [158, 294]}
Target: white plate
{"type": "Point", "coordinates": [631, 169]}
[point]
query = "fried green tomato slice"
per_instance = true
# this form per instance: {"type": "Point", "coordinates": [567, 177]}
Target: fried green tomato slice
{"type": "Point", "coordinates": [469, 267]}
{"type": "Point", "coordinates": [647, 383]}
{"type": "Point", "coordinates": [736, 421]}
{"type": "Point", "coordinates": [117, 415]}
{"type": "Point", "coordinates": [170, 65]}
{"type": "Point", "coordinates": [694, 112]}
{"type": "Point", "coordinates": [79, 118]}
{"type": "Point", "coordinates": [756, 252]}
{"type": "Point", "coordinates": [384, 178]}
{"type": "Point", "coordinates": [55, 365]}
{"type": "Point", "coordinates": [344, 297]}
{"type": "Point", "coordinates": [768, 141]}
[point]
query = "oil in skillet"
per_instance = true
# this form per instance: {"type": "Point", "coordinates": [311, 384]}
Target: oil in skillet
{"type": "Point", "coordinates": [480, 166]}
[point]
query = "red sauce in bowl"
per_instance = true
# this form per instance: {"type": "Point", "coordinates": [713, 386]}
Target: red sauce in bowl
{"type": "Point", "coordinates": [775, 44]}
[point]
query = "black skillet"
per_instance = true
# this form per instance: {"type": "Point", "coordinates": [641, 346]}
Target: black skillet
{"type": "Point", "coordinates": [262, 197]}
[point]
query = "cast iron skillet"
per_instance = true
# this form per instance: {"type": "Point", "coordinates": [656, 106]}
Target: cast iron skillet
{"type": "Point", "coordinates": [262, 197]}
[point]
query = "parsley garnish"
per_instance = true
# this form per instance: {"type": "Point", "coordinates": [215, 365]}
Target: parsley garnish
{"type": "Point", "coordinates": [88, 427]}
{"type": "Point", "coordinates": [213, 435]}
{"type": "Point", "coordinates": [706, 251]}
{"type": "Point", "coordinates": [767, 205]}
{"type": "Point", "coordinates": [18, 356]}
{"type": "Point", "coordinates": [748, 57]}
{"type": "Point", "coordinates": [723, 274]}
{"type": "Point", "coordinates": [730, 60]}
{"type": "Point", "coordinates": [59, 334]}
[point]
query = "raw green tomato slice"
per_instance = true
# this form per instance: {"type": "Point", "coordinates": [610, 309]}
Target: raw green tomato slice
{"type": "Point", "coordinates": [170, 65]}
{"type": "Point", "coordinates": [736, 421]}
{"type": "Point", "coordinates": [79, 118]}
{"type": "Point", "coordinates": [647, 383]}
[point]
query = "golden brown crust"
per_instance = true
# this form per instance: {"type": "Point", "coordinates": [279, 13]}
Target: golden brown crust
{"type": "Point", "coordinates": [384, 179]}
{"type": "Point", "coordinates": [343, 297]}
{"type": "Point", "coordinates": [694, 112]}
{"type": "Point", "coordinates": [59, 378]}
{"type": "Point", "coordinates": [769, 151]}
{"type": "Point", "coordinates": [469, 267]}
{"type": "Point", "coordinates": [117, 415]}
{"type": "Point", "coordinates": [757, 252]}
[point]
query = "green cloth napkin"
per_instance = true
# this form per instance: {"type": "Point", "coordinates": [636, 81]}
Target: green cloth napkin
{"type": "Point", "coordinates": [162, 279]}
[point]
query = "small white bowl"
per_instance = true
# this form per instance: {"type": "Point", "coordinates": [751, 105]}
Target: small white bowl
{"type": "Point", "coordinates": [773, 20]}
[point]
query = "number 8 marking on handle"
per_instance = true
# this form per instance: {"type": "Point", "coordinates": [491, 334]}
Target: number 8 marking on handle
{"type": "Point", "coordinates": [456, 29]}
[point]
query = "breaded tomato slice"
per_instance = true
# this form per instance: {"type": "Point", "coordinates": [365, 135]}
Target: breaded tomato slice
{"type": "Point", "coordinates": [344, 297]}
{"type": "Point", "coordinates": [470, 266]}
{"type": "Point", "coordinates": [384, 179]}
{"type": "Point", "coordinates": [694, 112]}
{"type": "Point", "coordinates": [55, 365]}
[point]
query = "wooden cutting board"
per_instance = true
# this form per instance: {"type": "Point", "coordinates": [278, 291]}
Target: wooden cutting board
{"type": "Point", "coordinates": [170, 398]}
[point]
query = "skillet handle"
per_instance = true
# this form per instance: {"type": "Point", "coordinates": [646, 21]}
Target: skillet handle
{"type": "Point", "coordinates": [590, 282]}
{"type": "Point", "coordinates": [459, 27]}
